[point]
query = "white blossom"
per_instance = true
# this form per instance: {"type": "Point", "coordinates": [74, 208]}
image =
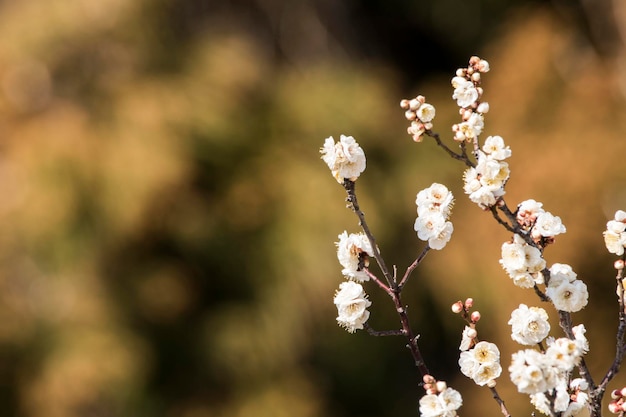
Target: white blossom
{"type": "Point", "coordinates": [345, 158]}
{"type": "Point", "coordinates": [495, 148]}
{"type": "Point", "coordinates": [529, 326]}
{"type": "Point", "coordinates": [352, 303]}
{"type": "Point", "coordinates": [547, 225]}
{"type": "Point", "coordinates": [425, 113]}
{"type": "Point", "coordinates": [615, 234]}
{"type": "Point", "coordinates": [465, 93]}
{"type": "Point", "coordinates": [352, 253]}
{"type": "Point", "coordinates": [481, 363]}
{"type": "Point", "coordinates": [444, 404]}
{"type": "Point", "coordinates": [433, 208]}
{"type": "Point", "coordinates": [522, 262]}
{"type": "Point", "coordinates": [527, 372]}
{"type": "Point", "coordinates": [568, 296]}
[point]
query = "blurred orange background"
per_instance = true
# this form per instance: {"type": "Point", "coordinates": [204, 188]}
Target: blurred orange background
{"type": "Point", "coordinates": [167, 226]}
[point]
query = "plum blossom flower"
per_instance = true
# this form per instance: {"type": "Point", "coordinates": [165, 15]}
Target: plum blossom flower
{"type": "Point", "coordinates": [615, 233]}
{"type": "Point", "coordinates": [433, 209]}
{"type": "Point", "coordinates": [485, 183]}
{"type": "Point", "coordinates": [566, 292]}
{"type": "Point", "coordinates": [352, 253]}
{"type": "Point", "coordinates": [481, 363]}
{"type": "Point", "coordinates": [529, 326]}
{"type": "Point", "coordinates": [443, 404]}
{"type": "Point", "coordinates": [522, 262]}
{"type": "Point", "coordinates": [465, 93]}
{"type": "Point", "coordinates": [352, 303]}
{"type": "Point", "coordinates": [345, 158]}
{"type": "Point", "coordinates": [547, 225]}
{"type": "Point", "coordinates": [494, 147]}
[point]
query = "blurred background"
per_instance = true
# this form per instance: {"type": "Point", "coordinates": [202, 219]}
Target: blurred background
{"type": "Point", "coordinates": [167, 226]}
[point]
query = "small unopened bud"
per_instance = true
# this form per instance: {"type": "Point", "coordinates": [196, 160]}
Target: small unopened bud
{"type": "Point", "coordinates": [475, 316]}
{"type": "Point", "coordinates": [480, 91]}
{"type": "Point", "coordinates": [483, 66]}
{"type": "Point", "coordinates": [460, 72]}
{"type": "Point", "coordinates": [474, 60]}
{"type": "Point", "coordinates": [414, 104]}
{"type": "Point", "coordinates": [469, 303]}
{"type": "Point", "coordinates": [467, 114]}
{"type": "Point", "coordinates": [476, 77]}
{"type": "Point", "coordinates": [615, 408]}
{"type": "Point", "coordinates": [619, 264]}
{"type": "Point", "coordinates": [483, 107]}
{"type": "Point", "coordinates": [491, 383]}
{"type": "Point", "coordinates": [421, 99]}
{"type": "Point", "coordinates": [404, 103]}
{"type": "Point", "coordinates": [428, 126]}
{"type": "Point", "coordinates": [616, 394]}
{"type": "Point", "coordinates": [410, 115]}
{"type": "Point", "coordinates": [623, 392]}
{"type": "Point", "coordinates": [441, 386]}
{"type": "Point", "coordinates": [457, 307]}
{"type": "Point", "coordinates": [428, 379]}
{"type": "Point", "coordinates": [471, 333]}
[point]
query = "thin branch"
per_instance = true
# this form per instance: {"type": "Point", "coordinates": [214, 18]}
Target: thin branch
{"type": "Point", "coordinates": [354, 205]}
{"type": "Point", "coordinates": [412, 267]}
{"type": "Point", "coordinates": [460, 157]}
{"type": "Point", "coordinates": [382, 332]}
{"type": "Point", "coordinates": [500, 402]}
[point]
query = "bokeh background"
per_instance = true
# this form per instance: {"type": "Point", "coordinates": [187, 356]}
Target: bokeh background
{"type": "Point", "coordinates": [167, 226]}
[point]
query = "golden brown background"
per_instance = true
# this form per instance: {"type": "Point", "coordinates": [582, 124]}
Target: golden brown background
{"type": "Point", "coordinates": [167, 226]}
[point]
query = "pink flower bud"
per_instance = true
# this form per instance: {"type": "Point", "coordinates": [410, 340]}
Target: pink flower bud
{"type": "Point", "coordinates": [469, 303]}
{"type": "Point", "coordinates": [619, 264]}
{"type": "Point", "coordinates": [491, 383]}
{"type": "Point", "coordinates": [615, 394]}
{"type": "Point", "coordinates": [615, 407]}
{"type": "Point", "coordinates": [428, 379]}
{"type": "Point", "coordinates": [475, 316]}
{"type": "Point", "coordinates": [404, 103]}
{"type": "Point", "coordinates": [410, 115]}
{"type": "Point", "coordinates": [414, 104]}
{"type": "Point", "coordinates": [457, 307]}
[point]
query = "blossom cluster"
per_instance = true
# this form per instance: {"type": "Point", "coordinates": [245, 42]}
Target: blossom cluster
{"type": "Point", "coordinates": [522, 262]}
{"type": "Point", "coordinates": [485, 182]}
{"type": "Point", "coordinates": [566, 292]}
{"type": "Point", "coordinates": [542, 225]}
{"type": "Point", "coordinates": [433, 210]}
{"type": "Point", "coordinates": [537, 373]}
{"type": "Point", "coordinates": [467, 93]}
{"type": "Point", "coordinates": [481, 363]}
{"type": "Point", "coordinates": [440, 400]}
{"type": "Point", "coordinates": [353, 252]}
{"type": "Point", "coordinates": [420, 114]}
{"type": "Point", "coordinates": [615, 233]}
{"type": "Point", "coordinates": [345, 158]}
{"type": "Point", "coordinates": [352, 303]}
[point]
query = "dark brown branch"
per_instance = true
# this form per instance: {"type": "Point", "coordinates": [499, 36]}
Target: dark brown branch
{"type": "Point", "coordinates": [412, 267]}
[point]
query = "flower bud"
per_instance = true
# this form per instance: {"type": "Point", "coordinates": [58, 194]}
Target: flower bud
{"type": "Point", "coordinates": [623, 392]}
{"type": "Point", "coordinates": [619, 264]}
{"type": "Point", "coordinates": [404, 103]}
{"type": "Point", "coordinates": [469, 303]}
{"type": "Point", "coordinates": [410, 115]}
{"type": "Point", "coordinates": [483, 107]}
{"type": "Point", "coordinates": [491, 383]}
{"type": "Point", "coordinates": [414, 104]}
{"type": "Point", "coordinates": [457, 307]}
{"type": "Point", "coordinates": [476, 77]}
{"type": "Point", "coordinates": [428, 379]}
{"type": "Point", "coordinates": [441, 386]}
{"type": "Point", "coordinates": [472, 333]}
{"type": "Point", "coordinates": [614, 407]}
{"type": "Point", "coordinates": [475, 316]}
{"type": "Point", "coordinates": [460, 72]}
{"type": "Point", "coordinates": [616, 394]}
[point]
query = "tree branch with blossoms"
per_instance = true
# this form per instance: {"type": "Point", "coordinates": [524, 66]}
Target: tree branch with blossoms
{"type": "Point", "coordinates": [551, 371]}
